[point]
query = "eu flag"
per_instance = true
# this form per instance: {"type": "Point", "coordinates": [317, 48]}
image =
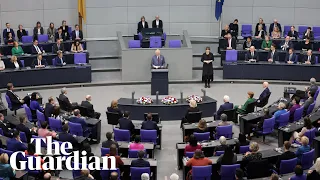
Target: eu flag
{"type": "Point", "coordinates": [219, 4]}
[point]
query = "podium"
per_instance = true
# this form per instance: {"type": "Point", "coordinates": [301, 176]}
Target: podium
{"type": "Point", "coordinates": [159, 81]}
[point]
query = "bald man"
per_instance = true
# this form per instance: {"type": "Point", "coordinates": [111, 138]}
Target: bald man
{"type": "Point", "coordinates": [158, 60]}
{"type": "Point", "coordinates": [309, 58]}
{"type": "Point", "coordinates": [157, 23]}
{"type": "Point", "coordinates": [252, 55]}
{"type": "Point", "coordinates": [265, 92]}
{"type": "Point", "coordinates": [87, 104]}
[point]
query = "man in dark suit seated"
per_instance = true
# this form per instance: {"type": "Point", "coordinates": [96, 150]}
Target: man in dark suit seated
{"type": "Point", "coordinates": [35, 48]}
{"type": "Point", "coordinates": [293, 34]}
{"type": "Point", "coordinates": [308, 102]}
{"type": "Point", "coordinates": [313, 86]}
{"type": "Point", "coordinates": [309, 58]}
{"type": "Point", "coordinates": [58, 47]}
{"type": "Point", "coordinates": [230, 43]}
{"type": "Point", "coordinates": [16, 101]}
{"type": "Point", "coordinates": [149, 124]}
{"type": "Point", "coordinates": [157, 23]}
{"type": "Point", "coordinates": [15, 144]}
{"type": "Point", "coordinates": [48, 109]}
{"type": "Point", "coordinates": [59, 59]}
{"type": "Point", "coordinates": [286, 155]}
{"type": "Point", "coordinates": [265, 92]}
{"type": "Point", "coordinates": [109, 141]}
{"type": "Point", "coordinates": [126, 123]}
{"type": "Point", "coordinates": [77, 33]}
{"type": "Point", "coordinates": [87, 104]}
{"type": "Point", "coordinates": [286, 44]}
{"type": "Point", "coordinates": [60, 35]}
{"type": "Point", "coordinates": [69, 105]}
{"type": "Point", "coordinates": [23, 128]}
{"type": "Point", "coordinates": [78, 119]}
{"type": "Point", "coordinates": [252, 55]}
{"type": "Point", "coordinates": [223, 107]}
{"type": "Point", "coordinates": [39, 62]}
{"type": "Point", "coordinates": [5, 126]}
{"type": "Point", "coordinates": [273, 55]}
{"type": "Point", "coordinates": [140, 162]}
{"type": "Point", "coordinates": [64, 136]}
{"type": "Point", "coordinates": [290, 57]}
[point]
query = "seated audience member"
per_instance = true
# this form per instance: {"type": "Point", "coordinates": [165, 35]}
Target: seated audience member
{"type": "Point", "coordinates": [65, 136]}
{"type": "Point", "coordinates": [23, 128]}
{"type": "Point", "coordinates": [113, 152]}
{"type": "Point", "coordinates": [114, 175]}
{"type": "Point", "coordinates": [140, 162]}
{"type": "Point", "coordinates": [273, 54]}
{"type": "Point", "coordinates": [58, 46]}
{"type": "Point", "coordinates": [158, 61]}
{"type": "Point", "coordinates": [198, 160]}
{"type": "Point", "coordinates": [77, 33]}
{"type": "Point", "coordinates": [223, 145]}
{"type": "Point", "coordinates": [51, 31]}
{"type": "Point", "coordinates": [126, 123]}
{"type": "Point", "coordinates": [16, 101]}
{"type": "Point", "coordinates": [60, 60]}
{"type": "Point", "coordinates": [36, 49]}
{"type": "Point", "coordinates": [224, 120]}
{"type": "Point", "coordinates": [276, 34]}
{"type": "Point", "coordinates": [142, 24]}
{"type": "Point", "coordinates": [248, 43]}
{"type": "Point", "coordinates": [260, 23]}
{"type": "Point", "coordinates": [86, 147]}
{"type": "Point", "coordinates": [291, 57]}
{"type": "Point", "coordinates": [293, 34]}
{"type": "Point", "coordinates": [295, 105]}
{"type": "Point", "coordinates": [274, 177]}
{"type": "Point", "coordinates": [202, 127]}
{"type": "Point", "coordinates": [253, 154]}
{"type": "Point", "coordinates": [286, 44]}
{"type": "Point", "coordinates": [109, 141]}
{"type": "Point", "coordinates": [136, 145]}
{"type": "Point", "coordinates": [9, 40]}
{"type": "Point", "coordinates": [56, 113]}
{"type": "Point", "coordinates": [298, 171]}
{"type": "Point", "coordinates": [78, 119]}
{"type": "Point", "coordinates": [193, 145]}
{"type": "Point", "coordinates": [174, 176]}
{"type": "Point", "coordinates": [149, 124]}
{"type": "Point", "coordinates": [309, 58]}
{"type": "Point", "coordinates": [286, 155]}
{"type": "Point", "coordinates": [224, 107]}
{"type": "Point", "coordinates": [114, 108]}
{"type": "Point", "coordinates": [157, 23]}
{"type": "Point", "coordinates": [303, 148]}
{"type": "Point", "coordinates": [243, 108]}
{"type": "Point", "coordinates": [16, 50]}
{"type": "Point", "coordinates": [63, 98]}
{"type": "Point", "coordinates": [6, 171]}
{"type": "Point", "coordinates": [21, 32]}
{"type": "Point", "coordinates": [225, 31]}
{"type": "Point", "coordinates": [87, 104]}
{"type": "Point", "coordinates": [242, 141]}
{"type": "Point", "coordinates": [15, 63]}
{"type": "Point", "coordinates": [308, 34]}
{"type": "Point", "coordinates": [15, 144]}
{"type": "Point", "coordinates": [308, 102]}
{"type": "Point", "coordinates": [281, 110]}
{"type": "Point", "coordinates": [234, 28]}
{"type": "Point", "coordinates": [313, 86]}
{"type": "Point", "coordinates": [314, 174]}
{"type": "Point", "coordinates": [5, 126]}
{"type": "Point", "coordinates": [252, 55]}
{"type": "Point", "coordinates": [65, 29]}
{"type": "Point", "coordinates": [265, 92]}
{"type": "Point", "coordinates": [7, 30]}
{"type": "Point", "coordinates": [260, 34]}
{"type": "Point", "coordinates": [239, 174]}
{"type": "Point", "coordinates": [85, 175]}
{"type": "Point", "coordinates": [259, 125]}
{"type": "Point", "coordinates": [34, 105]}
{"type": "Point", "coordinates": [274, 25]}
{"type": "Point", "coordinates": [228, 158]}
{"type": "Point", "coordinates": [2, 66]}
{"type": "Point", "coordinates": [192, 108]}
{"type": "Point", "coordinates": [266, 43]}
{"type": "Point", "coordinates": [60, 35]}
{"type": "Point", "coordinates": [145, 176]}
{"type": "Point", "coordinates": [38, 30]}
{"type": "Point", "coordinates": [230, 43]}
{"type": "Point", "coordinates": [76, 47]}
{"type": "Point", "coordinates": [306, 45]}
{"type": "Point", "coordinates": [44, 131]}
{"type": "Point", "coordinates": [39, 62]}
{"type": "Point", "coordinates": [48, 108]}
{"type": "Point", "coordinates": [47, 176]}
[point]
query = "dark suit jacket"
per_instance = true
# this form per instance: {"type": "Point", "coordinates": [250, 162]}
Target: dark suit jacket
{"type": "Point", "coordinates": [89, 107]}
{"type": "Point", "coordinates": [233, 43]}
{"type": "Point", "coordinates": [140, 27]}
{"type": "Point", "coordinates": [66, 101]}
{"type": "Point", "coordinates": [115, 110]}
{"type": "Point", "coordinates": [263, 27]}
{"type": "Point", "coordinates": [26, 130]}
{"type": "Point", "coordinates": [263, 33]}
{"type": "Point", "coordinates": [79, 121]}
{"type": "Point", "coordinates": [294, 56]}
{"type": "Point", "coordinates": [306, 105]}
{"type": "Point", "coordinates": [313, 88]}
{"type": "Point", "coordinates": [234, 29]}
{"type": "Point", "coordinates": [5, 128]}
{"type": "Point", "coordinates": [264, 93]}
{"type": "Point", "coordinates": [35, 31]}
{"type": "Point", "coordinates": [20, 34]}
{"type": "Point", "coordinates": [255, 56]}
{"type": "Point", "coordinates": [311, 36]}
{"type": "Point", "coordinates": [271, 28]}
{"type": "Point", "coordinates": [275, 56]}
{"type": "Point", "coordinates": [224, 32]}
{"type": "Point", "coordinates": [33, 49]}
{"type": "Point", "coordinates": [12, 66]}
{"type": "Point", "coordinates": [190, 109]}
{"type": "Point", "coordinates": [14, 145]}
{"type": "Point", "coordinates": [127, 124]}
{"type": "Point", "coordinates": [74, 34]}
{"type": "Point", "coordinates": [48, 110]}
{"type": "Point", "coordinates": [5, 33]}
{"type": "Point", "coordinates": [224, 107]}
{"type": "Point", "coordinates": [35, 63]}
{"type": "Point", "coordinates": [140, 163]}
{"type": "Point", "coordinates": [155, 26]}
{"type": "Point", "coordinates": [56, 49]}
{"type": "Point", "coordinates": [66, 137]}
{"type": "Point", "coordinates": [313, 59]}
{"type": "Point", "coordinates": [63, 37]}
{"type": "Point", "coordinates": [149, 125]}
{"type": "Point", "coordinates": [294, 34]}
{"type": "Point", "coordinates": [14, 99]}
{"type": "Point", "coordinates": [108, 143]}
{"type": "Point", "coordinates": [285, 156]}
{"type": "Point", "coordinates": [58, 62]}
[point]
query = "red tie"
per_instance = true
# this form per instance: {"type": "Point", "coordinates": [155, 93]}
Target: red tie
{"type": "Point", "coordinates": [158, 60]}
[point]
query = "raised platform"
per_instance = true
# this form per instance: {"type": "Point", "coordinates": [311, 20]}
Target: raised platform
{"type": "Point", "coordinates": [166, 112]}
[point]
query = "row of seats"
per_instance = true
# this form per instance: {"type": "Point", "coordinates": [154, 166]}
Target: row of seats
{"type": "Point", "coordinates": [145, 135]}
{"type": "Point", "coordinates": [155, 42]}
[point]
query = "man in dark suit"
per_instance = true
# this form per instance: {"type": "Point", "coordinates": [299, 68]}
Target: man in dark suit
{"type": "Point", "coordinates": [35, 48]}
{"type": "Point", "coordinates": [309, 58]}
{"type": "Point", "coordinates": [265, 92]}
{"type": "Point", "coordinates": [140, 162]}
{"type": "Point", "coordinates": [60, 60]}
{"type": "Point", "coordinates": [15, 144]}
{"type": "Point", "coordinates": [308, 102]}
{"type": "Point", "coordinates": [157, 23]}
{"type": "Point", "coordinates": [313, 86]}
{"type": "Point", "coordinates": [58, 47]}
{"type": "Point", "coordinates": [109, 141]}
{"type": "Point", "coordinates": [7, 30]}
{"type": "Point", "coordinates": [126, 123]}
{"type": "Point", "coordinates": [286, 44]}
{"type": "Point", "coordinates": [230, 43]}
{"type": "Point", "coordinates": [252, 55]}
{"type": "Point", "coordinates": [66, 137]}
{"type": "Point", "coordinates": [286, 155]}
{"type": "Point", "coordinates": [23, 128]}
{"type": "Point", "coordinates": [5, 126]}
{"type": "Point", "coordinates": [87, 104]}
{"type": "Point", "coordinates": [48, 109]}
{"type": "Point", "coordinates": [16, 101]}
{"type": "Point", "coordinates": [290, 57]}
{"type": "Point", "coordinates": [223, 107]}
{"type": "Point", "coordinates": [65, 100]}
{"type": "Point", "coordinates": [39, 62]}
{"type": "Point", "coordinates": [308, 34]}
{"type": "Point", "coordinates": [293, 34]}
{"type": "Point", "coordinates": [78, 119]}
{"type": "Point", "coordinates": [77, 33]}
{"type": "Point", "coordinates": [60, 35]}
{"type": "Point", "coordinates": [273, 25]}
{"type": "Point", "coordinates": [149, 124]}
{"type": "Point", "coordinates": [273, 55]}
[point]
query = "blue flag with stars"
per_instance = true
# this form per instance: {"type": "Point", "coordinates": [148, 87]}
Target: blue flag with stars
{"type": "Point", "coordinates": [219, 4]}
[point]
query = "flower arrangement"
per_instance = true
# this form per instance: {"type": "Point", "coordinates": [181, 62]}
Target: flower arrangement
{"type": "Point", "coordinates": [194, 97]}
{"type": "Point", "coordinates": [169, 100]}
{"type": "Point", "coordinates": [144, 100]}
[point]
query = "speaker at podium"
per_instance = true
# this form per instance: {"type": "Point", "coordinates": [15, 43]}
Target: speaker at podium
{"type": "Point", "coordinates": [159, 81]}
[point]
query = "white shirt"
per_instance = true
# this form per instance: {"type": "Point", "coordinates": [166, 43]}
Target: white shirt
{"type": "Point", "coordinates": [2, 64]}
{"type": "Point", "coordinates": [39, 31]}
{"type": "Point", "coordinates": [16, 64]}
{"type": "Point", "coordinates": [143, 24]}
{"type": "Point", "coordinates": [8, 30]}
{"type": "Point", "coordinates": [77, 34]}
{"type": "Point", "coordinates": [157, 22]}
{"type": "Point", "coordinates": [37, 48]}
{"type": "Point", "coordinates": [229, 41]}
{"type": "Point", "coordinates": [39, 62]}
{"type": "Point", "coordinates": [309, 57]}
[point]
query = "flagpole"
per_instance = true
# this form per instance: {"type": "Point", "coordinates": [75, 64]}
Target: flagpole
{"type": "Point", "coordinates": [220, 23]}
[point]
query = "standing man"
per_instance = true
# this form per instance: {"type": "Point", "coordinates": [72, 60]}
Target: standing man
{"type": "Point", "coordinates": [87, 104]}
{"type": "Point", "coordinates": [77, 33]}
{"type": "Point", "coordinates": [157, 23]}
{"type": "Point", "coordinates": [274, 25]}
{"type": "Point", "coordinates": [158, 60]}
{"type": "Point", "coordinates": [7, 31]}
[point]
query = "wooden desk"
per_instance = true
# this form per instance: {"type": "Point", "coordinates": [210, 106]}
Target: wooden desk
{"type": "Point", "coordinates": [188, 129]}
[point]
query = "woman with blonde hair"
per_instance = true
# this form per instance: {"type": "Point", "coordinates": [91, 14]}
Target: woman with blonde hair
{"type": "Point", "coordinates": [276, 33]}
{"type": "Point", "coordinates": [6, 171]}
{"type": "Point", "coordinates": [15, 63]}
{"type": "Point", "coordinates": [192, 108]}
{"type": "Point", "coordinates": [114, 107]}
